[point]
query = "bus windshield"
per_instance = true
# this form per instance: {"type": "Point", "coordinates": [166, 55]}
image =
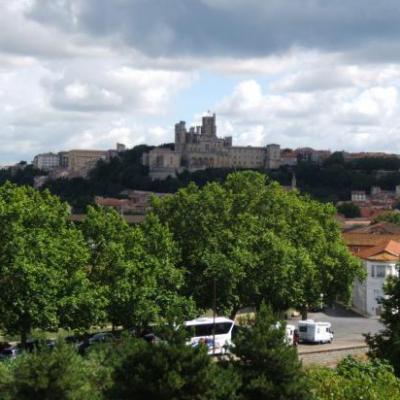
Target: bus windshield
{"type": "Point", "coordinates": [221, 328]}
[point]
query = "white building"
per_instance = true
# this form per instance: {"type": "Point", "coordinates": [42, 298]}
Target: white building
{"type": "Point", "coordinates": [379, 262]}
{"type": "Point", "coordinates": [46, 161]}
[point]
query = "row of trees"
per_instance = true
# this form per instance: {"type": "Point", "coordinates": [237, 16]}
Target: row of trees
{"type": "Point", "coordinates": [262, 366]}
{"type": "Point", "coordinates": [254, 241]}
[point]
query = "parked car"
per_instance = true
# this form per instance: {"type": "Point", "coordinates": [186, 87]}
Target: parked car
{"type": "Point", "coordinates": [10, 353]}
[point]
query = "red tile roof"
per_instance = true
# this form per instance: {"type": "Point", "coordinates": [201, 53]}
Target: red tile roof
{"type": "Point", "coordinates": [387, 251]}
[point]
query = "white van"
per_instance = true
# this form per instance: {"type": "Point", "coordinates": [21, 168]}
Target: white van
{"type": "Point", "coordinates": [315, 332]}
{"type": "Point", "coordinates": [202, 329]}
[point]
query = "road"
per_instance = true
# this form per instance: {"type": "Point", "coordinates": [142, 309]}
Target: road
{"type": "Point", "coordinates": [348, 328]}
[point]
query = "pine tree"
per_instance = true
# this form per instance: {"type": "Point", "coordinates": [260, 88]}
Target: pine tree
{"type": "Point", "coordinates": [269, 367]}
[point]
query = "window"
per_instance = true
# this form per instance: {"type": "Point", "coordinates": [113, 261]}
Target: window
{"type": "Point", "coordinates": [207, 329]}
{"type": "Point", "coordinates": [380, 271]}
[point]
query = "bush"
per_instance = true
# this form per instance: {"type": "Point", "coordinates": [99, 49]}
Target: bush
{"type": "Point", "coordinates": [165, 371]}
{"type": "Point", "coordinates": [354, 380]}
{"type": "Point", "coordinates": [53, 374]}
{"type": "Point", "coordinates": [6, 381]}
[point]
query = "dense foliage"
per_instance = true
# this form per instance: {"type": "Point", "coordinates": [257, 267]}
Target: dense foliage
{"type": "Point", "coordinates": [258, 243]}
{"type": "Point", "coordinates": [354, 380]}
{"type": "Point", "coordinates": [166, 371]}
{"type": "Point", "coordinates": [393, 217]}
{"type": "Point", "coordinates": [133, 268]}
{"type": "Point", "coordinates": [268, 366]}
{"type": "Point", "coordinates": [42, 264]}
{"type": "Point", "coordinates": [349, 210]}
{"type": "Point", "coordinates": [386, 344]}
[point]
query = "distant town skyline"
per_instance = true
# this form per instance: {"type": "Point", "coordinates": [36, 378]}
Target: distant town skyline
{"type": "Point", "coordinates": [89, 73]}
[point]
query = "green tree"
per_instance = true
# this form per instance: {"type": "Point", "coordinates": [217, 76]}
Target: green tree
{"type": "Point", "coordinates": [259, 243]}
{"type": "Point", "coordinates": [43, 261]}
{"type": "Point", "coordinates": [386, 344]}
{"type": "Point", "coordinates": [167, 371]}
{"type": "Point", "coordinates": [349, 210]}
{"type": "Point", "coordinates": [393, 217]}
{"type": "Point", "coordinates": [6, 381]}
{"type": "Point", "coordinates": [53, 374]}
{"type": "Point", "coordinates": [353, 380]}
{"type": "Point", "coordinates": [268, 366]}
{"type": "Point", "coordinates": [134, 269]}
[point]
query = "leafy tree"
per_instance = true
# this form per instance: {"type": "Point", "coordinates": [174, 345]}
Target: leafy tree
{"type": "Point", "coordinates": [134, 269]}
{"type": "Point", "coordinates": [335, 158]}
{"type": "Point", "coordinates": [258, 242]}
{"type": "Point", "coordinates": [169, 371]}
{"type": "Point", "coordinates": [268, 366]}
{"type": "Point", "coordinates": [42, 264]}
{"type": "Point", "coordinates": [349, 210]}
{"type": "Point", "coordinates": [393, 217]}
{"type": "Point", "coordinates": [6, 381]}
{"type": "Point", "coordinates": [386, 344]}
{"type": "Point", "coordinates": [353, 380]}
{"type": "Point", "coordinates": [53, 374]}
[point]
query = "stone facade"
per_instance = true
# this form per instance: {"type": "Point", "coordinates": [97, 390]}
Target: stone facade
{"type": "Point", "coordinates": [46, 161]}
{"type": "Point", "coordinates": [200, 148]}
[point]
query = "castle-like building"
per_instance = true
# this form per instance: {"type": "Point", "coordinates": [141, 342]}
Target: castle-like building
{"type": "Point", "coordinates": [200, 148]}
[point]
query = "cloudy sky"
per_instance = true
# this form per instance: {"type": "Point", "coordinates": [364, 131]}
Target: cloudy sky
{"type": "Point", "coordinates": [89, 73]}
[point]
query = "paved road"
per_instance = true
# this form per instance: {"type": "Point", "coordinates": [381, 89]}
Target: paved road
{"type": "Point", "coordinates": [348, 327]}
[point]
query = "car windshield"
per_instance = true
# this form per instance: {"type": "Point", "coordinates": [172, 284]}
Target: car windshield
{"type": "Point", "coordinates": [207, 329]}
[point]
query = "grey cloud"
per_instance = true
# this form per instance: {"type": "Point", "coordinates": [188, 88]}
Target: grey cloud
{"type": "Point", "coordinates": [230, 28]}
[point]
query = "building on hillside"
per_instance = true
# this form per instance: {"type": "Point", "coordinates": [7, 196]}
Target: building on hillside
{"type": "Point", "coordinates": [134, 201]}
{"type": "Point", "coordinates": [74, 163]}
{"type": "Point", "coordinates": [355, 156]}
{"type": "Point", "coordinates": [311, 155]}
{"type": "Point", "coordinates": [46, 161]}
{"type": "Point", "coordinates": [288, 157]}
{"type": "Point", "coordinates": [377, 202]}
{"type": "Point", "coordinates": [379, 263]}
{"type": "Point", "coordinates": [200, 148]}
{"type": "Point", "coordinates": [81, 161]}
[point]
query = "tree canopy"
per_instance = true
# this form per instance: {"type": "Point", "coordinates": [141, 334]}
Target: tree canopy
{"type": "Point", "coordinates": [42, 264]}
{"type": "Point", "coordinates": [259, 242]}
{"type": "Point", "coordinates": [133, 268]}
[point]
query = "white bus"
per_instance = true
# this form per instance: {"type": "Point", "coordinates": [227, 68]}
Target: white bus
{"type": "Point", "coordinates": [202, 330]}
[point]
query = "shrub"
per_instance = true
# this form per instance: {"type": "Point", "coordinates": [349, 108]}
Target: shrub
{"type": "Point", "coordinates": [354, 380]}
{"type": "Point", "coordinates": [53, 374]}
{"type": "Point", "coordinates": [164, 371]}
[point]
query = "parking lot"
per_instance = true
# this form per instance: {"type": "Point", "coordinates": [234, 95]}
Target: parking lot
{"type": "Point", "coordinates": [348, 327]}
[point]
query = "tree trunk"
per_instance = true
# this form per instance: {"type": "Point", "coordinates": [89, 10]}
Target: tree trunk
{"type": "Point", "coordinates": [24, 335]}
{"type": "Point", "coordinates": [304, 313]}
{"type": "Point", "coordinates": [234, 310]}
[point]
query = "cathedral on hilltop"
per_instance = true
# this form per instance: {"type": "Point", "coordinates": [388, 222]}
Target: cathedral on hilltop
{"type": "Point", "coordinates": [200, 148]}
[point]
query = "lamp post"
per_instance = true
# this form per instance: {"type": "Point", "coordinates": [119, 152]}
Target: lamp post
{"type": "Point", "coordinates": [214, 311]}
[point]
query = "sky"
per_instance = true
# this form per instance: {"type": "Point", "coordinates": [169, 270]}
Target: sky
{"type": "Point", "coordinates": [91, 73]}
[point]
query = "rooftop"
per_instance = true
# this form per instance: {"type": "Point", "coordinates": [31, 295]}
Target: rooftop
{"type": "Point", "coordinates": [387, 251]}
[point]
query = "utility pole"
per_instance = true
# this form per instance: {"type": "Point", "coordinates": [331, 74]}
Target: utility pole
{"type": "Point", "coordinates": [214, 310]}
